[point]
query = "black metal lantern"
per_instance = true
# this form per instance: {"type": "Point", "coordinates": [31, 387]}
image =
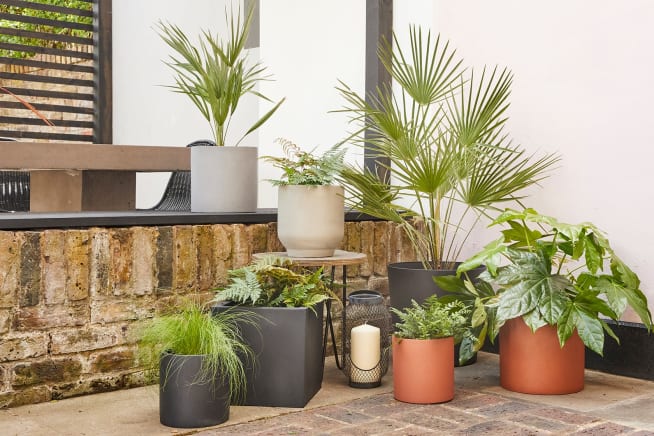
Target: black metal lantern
{"type": "Point", "coordinates": [364, 362]}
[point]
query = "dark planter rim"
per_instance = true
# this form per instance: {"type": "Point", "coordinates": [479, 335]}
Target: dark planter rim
{"type": "Point", "coordinates": [419, 266]}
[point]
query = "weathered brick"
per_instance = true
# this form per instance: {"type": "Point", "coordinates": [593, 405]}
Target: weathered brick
{"type": "Point", "coordinates": [121, 310]}
{"type": "Point", "coordinates": [353, 243]}
{"type": "Point", "coordinates": [380, 247]}
{"type": "Point", "coordinates": [367, 229]}
{"type": "Point", "coordinates": [407, 253]}
{"type": "Point", "coordinates": [394, 243]}
{"type": "Point", "coordinates": [100, 263]}
{"type": "Point", "coordinates": [112, 361]}
{"type": "Point", "coordinates": [45, 317]}
{"type": "Point", "coordinates": [379, 284]}
{"type": "Point", "coordinates": [185, 259]}
{"type": "Point", "coordinates": [258, 238]}
{"type": "Point", "coordinates": [121, 244]}
{"type": "Point", "coordinates": [164, 259]}
{"type": "Point", "coordinates": [223, 252]}
{"type": "Point", "coordinates": [19, 347]}
{"type": "Point", "coordinates": [204, 239]}
{"type": "Point", "coordinates": [274, 244]}
{"type": "Point", "coordinates": [30, 269]}
{"type": "Point", "coordinates": [6, 317]}
{"type": "Point", "coordinates": [46, 371]}
{"type": "Point", "coordinates": [240, 246]}
{"type": "Point", "coordinates": [78, 340]}
{"type": "Point", "coordinates": [54, 266]}
{"type": "Point", "coordinates": [88, 385]}
{"type": "Point", "coordinates": [9, 267]}
{"type": "Point", "coordinates": [77, 264]}
{"type": "Point", "coordinates": [143, 263]}
{"type": "Point", "coordinates": [36, 394]}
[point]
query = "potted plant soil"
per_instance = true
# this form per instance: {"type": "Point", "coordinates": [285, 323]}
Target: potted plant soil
{"type": "Point", "coordinates": [441, 134]}
{"type": "Point", "coordinates": [287, 339]}
{"type": "Point", "coordinates": [310, 211]}
{"type": "Point", "coordinates": [199, 361]}
{"type": "Point", "coordinates": [423, 350]}
{"type": "Point", "coordinates": [548, 288]}
{"type": "Point", "coordinates": [215, 74]}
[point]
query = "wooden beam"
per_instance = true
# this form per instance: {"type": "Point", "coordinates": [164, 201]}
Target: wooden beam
{"type": "Point", "coordinates": [379, 26]}
{"type": "Point", "coordinates": [103, 117]}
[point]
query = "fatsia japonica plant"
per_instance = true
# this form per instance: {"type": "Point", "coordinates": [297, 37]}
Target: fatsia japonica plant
{"type": "Point", "coordinates": [548, 272]}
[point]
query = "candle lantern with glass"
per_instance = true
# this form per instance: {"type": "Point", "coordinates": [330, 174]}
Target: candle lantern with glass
{"type": "Point", "coordinates": [367, 339]}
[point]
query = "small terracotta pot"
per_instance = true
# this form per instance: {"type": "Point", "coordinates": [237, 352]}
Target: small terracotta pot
{"type": "Point", "coordinates": [535, 363]}
{"type": "Point", "coordinates": [423, 370]}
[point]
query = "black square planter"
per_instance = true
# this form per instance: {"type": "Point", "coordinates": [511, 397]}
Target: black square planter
{"type": "Point", "coordinates": [289, 354]}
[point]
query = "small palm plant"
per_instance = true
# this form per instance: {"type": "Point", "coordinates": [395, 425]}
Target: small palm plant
{"type": "Point", "coordinates": [442, 137]}
{"type": "Point", "coordinates": [215, 74]}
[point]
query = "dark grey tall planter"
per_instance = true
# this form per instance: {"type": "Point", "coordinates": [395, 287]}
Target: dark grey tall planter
{"type": "Point", "coordinates": [186, 402]}
{"type": "Point", "coordinates": [289, 362]}
{"type": "Point", "coordinates": [411, 281]}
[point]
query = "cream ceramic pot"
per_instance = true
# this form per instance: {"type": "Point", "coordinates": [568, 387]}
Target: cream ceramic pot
{"type": "Point", "coordinates": [310, 220]}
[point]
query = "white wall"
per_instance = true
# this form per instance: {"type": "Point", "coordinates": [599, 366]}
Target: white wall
{"type": "Point", "coordinates": [582, 87]}
{"type": "Point", "coordinates": [308, 46]}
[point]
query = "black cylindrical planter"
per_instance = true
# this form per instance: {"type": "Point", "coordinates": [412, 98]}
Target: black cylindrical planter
{"type": "Point", "coordinates": [186, 401]}
{"type": "Point", "coordinates": [411, 281]}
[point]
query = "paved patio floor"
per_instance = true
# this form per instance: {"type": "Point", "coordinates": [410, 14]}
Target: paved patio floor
{"type": "Point", "coordinates": [609, 405]}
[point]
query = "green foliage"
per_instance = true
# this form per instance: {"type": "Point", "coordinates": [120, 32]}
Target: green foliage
{"type": "Point", "coordinates": [190, 329]}
{"type": "Point", "coordinates": [559, 274]}
{"type": "Point", "coordinates": [215, 74]}
{"type": "Point", "coordinates": [444, 136]}
{"type": "Point", "coordinates": [432, 320]}
{"type": "Point", "coordinates": [37, 42]}
{"type": "Point", "coordinates": [273, 282]}
{"type": "Point", "coordinates": [303, 168]}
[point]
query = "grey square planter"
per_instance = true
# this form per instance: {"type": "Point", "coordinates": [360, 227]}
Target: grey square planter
{"type": "Point", "coordinates": [288, 346]}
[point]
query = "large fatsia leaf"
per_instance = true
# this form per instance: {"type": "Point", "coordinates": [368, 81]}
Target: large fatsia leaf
{"type": "Point", "coordinates": [589, 328]}
{"type": "Point", "coordinates": [489, 256]}
{"type": "Point", "coordinates": [529, 281]}
{"type": "Point", "coordinates": [554, 301]}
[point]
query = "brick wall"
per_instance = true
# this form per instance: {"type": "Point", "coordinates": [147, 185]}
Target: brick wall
{"type": "Point", "coordinates": [71, 300]}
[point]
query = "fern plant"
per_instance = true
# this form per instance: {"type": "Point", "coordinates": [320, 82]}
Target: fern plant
{"type": "Point", "coordinates": [433, 320]}
{"type": "Point", "coordinates": [272, 281]}
{"type": "Point", "coordinates": [303, 167]}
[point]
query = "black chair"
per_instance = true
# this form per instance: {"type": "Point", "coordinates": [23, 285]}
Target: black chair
{"type": "Point", "coordinates": [14, 189]}
{"type": "Point", "coordinates": [177, 196]}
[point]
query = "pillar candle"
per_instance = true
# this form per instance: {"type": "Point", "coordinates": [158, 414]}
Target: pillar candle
{"type": "Point", "coordinates": [365, 346]}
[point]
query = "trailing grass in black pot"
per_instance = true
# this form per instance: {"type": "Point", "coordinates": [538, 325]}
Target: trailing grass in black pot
{"type": "Point", "coordinates": [199, 360]}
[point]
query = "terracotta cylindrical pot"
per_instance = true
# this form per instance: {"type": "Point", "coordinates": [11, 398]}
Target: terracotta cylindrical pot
{"type": "Point", "coordinates": [423, 370]}
{"type": "Point", "coordinates": [535, 363]}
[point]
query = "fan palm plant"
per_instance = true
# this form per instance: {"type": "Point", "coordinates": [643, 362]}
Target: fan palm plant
{"type": "Point", "coordinates": [442, 136]}
{"type": "Point", "coordinates": [215, 74]}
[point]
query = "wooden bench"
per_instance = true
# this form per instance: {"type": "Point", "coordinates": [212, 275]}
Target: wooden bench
{"type": "Point", "coordinates": [66, 177]}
